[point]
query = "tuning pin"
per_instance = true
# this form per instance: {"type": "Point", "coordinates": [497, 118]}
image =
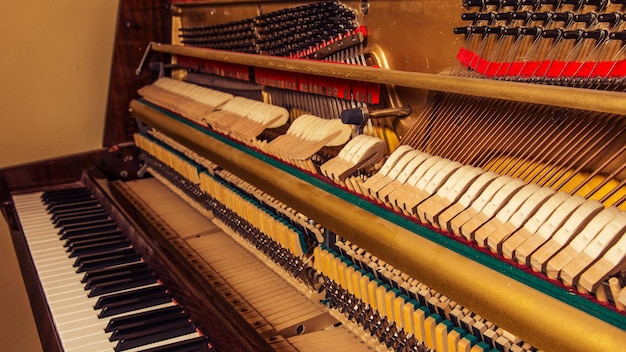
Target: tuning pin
{"type": "Point", "coordinates": [552, 33]}
{"type": "Point", "coordinates": [621, 35]}
{"type": "Point", "coordinates": [463, 30]}
{"type": "Point", "coordinates": [566, 17]}
{"type": "Point", "coordinates": [516, 4]}
{"type": "Point", "coordinates": [474, 3]}
{"type": "Point", "coordinates": [470, 16]}
{"type": "Point", "coordinates": [504, 16]}
{"type": "Point", "coordinates": [555, 3]}
{"type": "Point", "coordinates": [516, 31]}
{"type": "Point", "coordinates": [598, 34]}
{"type": "Point", "coordinates": [534, 31]}
{"type": "Point", "coordinates": [525, 16]}
{"type": "Point", "coordinates": [573, 34]}
{"type": "Point", "coordinates": [479, 30]}
{"type": "Point", "coordinates": [588, 18]}
{"type": "Point", "coordinates": [614, 18]}
{"type": "Point", "coordinates": [578, 4]}
{"type": "Point", "coordinates": [544, 17]}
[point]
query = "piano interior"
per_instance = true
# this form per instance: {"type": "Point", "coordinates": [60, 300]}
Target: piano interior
{"type": "Point", "coordinates": [342, 175]}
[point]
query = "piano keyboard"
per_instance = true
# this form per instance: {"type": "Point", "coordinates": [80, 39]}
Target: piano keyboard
{"type": "Point", "coordinates": [101, 295]}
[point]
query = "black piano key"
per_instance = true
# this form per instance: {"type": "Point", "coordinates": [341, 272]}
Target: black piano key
{"type": "Point", "coordinates": [134, 304]}
{"type": "Point", "coordinates": [72, 205]}
{"type": "Point", "coordinates": [197, 344]}
{"type": "Point", "coordinates": [142, 327]}
{"type": "Point", "coordinates": [122, 284]}
{"type": "Point", "coordinates": [61, 191]}
{"type": "Point", "coordinates": [66, 197]}
{"type": "Point", "coordinates": [77, 209]}
{"type": "Point", "coordinates": [117, 322]}
{"type": "Point", "coordinates": [102, 260]}
{"type": "Point", "coordinates": [88, 229]}
{"type": "Point", "coordinates": [110, 266]}
{"type": "Point", "coordinates": [93, 274]}
{"type": "Point", "coordinates": [79, 225]}
{"type": "Point", "coordinates": [75, 212]}
{"type": "Point", "coordinates": [104, 255]}
{"type": "Point", "coordinates": [105, 277]}
{"type": "Point", "coordinates": [93, 238]}
{"type": "Point", "coordinates": [106, 262]}
{"type": "Point", "coordinates": [126, 295]}
{"type": "Point", "coordinates": [81, 250]}
{"type": "Point", "coordinates": [85, 218]}
{"type": "Point", "coordinates": [156, 334]}
{"type": "Point", "coordinates": [130, 296]}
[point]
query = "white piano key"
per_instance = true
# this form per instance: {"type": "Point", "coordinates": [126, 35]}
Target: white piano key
{"type": "Point", "coordinates": [75, 319]}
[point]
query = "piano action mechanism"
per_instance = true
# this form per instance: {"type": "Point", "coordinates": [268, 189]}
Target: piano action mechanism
{"type": "Point", "coordinates": [398, 175]}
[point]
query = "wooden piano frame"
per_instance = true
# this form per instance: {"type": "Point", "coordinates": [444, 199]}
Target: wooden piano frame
{"type": "Point", "coordinates": [543, 314]}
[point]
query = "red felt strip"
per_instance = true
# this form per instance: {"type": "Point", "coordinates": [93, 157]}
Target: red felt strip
{"type": "Point", "coordinates": [544, 68]}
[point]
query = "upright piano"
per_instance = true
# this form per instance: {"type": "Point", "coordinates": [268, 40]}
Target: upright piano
{"type": "Point", "coordinates": [341, 175]}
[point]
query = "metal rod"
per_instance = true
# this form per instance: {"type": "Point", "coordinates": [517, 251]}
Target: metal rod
{"type": "Point", "coordinates": [584, 99]}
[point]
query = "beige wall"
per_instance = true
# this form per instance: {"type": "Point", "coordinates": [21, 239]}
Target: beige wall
{"type": "Point", "coordinates": [55, 59]}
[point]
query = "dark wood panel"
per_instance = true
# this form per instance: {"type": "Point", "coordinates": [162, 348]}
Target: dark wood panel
{"type": "Point", "coordinates": [119, 162]}
{"type": "Point", "coordinates": [46, 173]}
{"type": "Point", "coordinates": [139, 22]}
